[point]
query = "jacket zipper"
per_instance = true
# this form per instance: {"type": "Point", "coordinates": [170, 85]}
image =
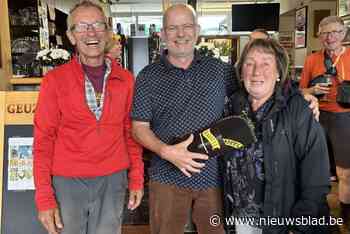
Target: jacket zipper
{"type": "Point", "coordinates": [102, 111]}
{"type": "Point", "coordinates": [272, 126]}
{"type": "Point", "coordinates": [269, 131]}
{"type": "Point", "coordinates": [98, 121]}
{"type": "Point", "coordinates": [275, 163]}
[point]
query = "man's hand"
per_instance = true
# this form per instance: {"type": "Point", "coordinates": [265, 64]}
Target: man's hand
{"type": "Point", "coordinates": [182, 158]}
{"type": "Point", "coordinates": [51, 220]}
{"type": "Point", "coordinates": [135, 197]}
{"type": "Point", "coordinates": [320, 89]}
{"type": "Point", "coordinates": [313, 104]}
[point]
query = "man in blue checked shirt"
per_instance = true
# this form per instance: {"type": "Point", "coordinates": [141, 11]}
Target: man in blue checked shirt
{"type": "Point", "coordinates": [182, 93]}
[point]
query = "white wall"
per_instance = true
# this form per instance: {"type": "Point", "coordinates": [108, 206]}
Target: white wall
{"type": "Point", "coordinates": [287, 21]}
{"type": "Point", "coordinates": [287, 5]}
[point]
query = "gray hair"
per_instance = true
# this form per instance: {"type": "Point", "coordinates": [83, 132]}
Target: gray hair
{"type": "Point", "coordinates": [270, 46]}
{"type": "Point", "coordinates": [183, 6]}
{"type": "Point", "coordinates": [83, 4]}
{"type": "Point", "coordinates": [329, 20]}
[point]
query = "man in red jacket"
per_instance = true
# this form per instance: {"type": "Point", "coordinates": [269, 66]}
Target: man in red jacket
{"type": "Point", "coordinates": [84, 156]}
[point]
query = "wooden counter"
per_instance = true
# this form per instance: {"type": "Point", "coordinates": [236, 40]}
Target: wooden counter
{"type": "Point", "coordinates": [26, 81]}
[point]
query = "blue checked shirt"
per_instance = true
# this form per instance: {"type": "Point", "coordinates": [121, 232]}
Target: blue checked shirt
{"type": "Point", "coordinates": [178, 101]}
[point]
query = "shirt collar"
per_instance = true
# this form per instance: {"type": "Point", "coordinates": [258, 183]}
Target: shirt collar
{"type": "Point", "coordinates": [196, 59]}
{"type": "Point", "coordinates": [116, 70]}
{"type": "Point", "coordinates": [112, 67]}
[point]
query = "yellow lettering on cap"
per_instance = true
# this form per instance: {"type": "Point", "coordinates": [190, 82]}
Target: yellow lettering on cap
{"type": "Point", "coordinates": [232, 143]}
{"type": "Point", "coordinates": [214, 143]}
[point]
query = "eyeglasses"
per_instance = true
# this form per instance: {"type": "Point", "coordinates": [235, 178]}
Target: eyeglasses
{"type": "Point", "coordinates": [175, 28]}
{"type": "Point", "coordinates": [331, 33]}
{"type": "Point", "coordinates": [84, 27]}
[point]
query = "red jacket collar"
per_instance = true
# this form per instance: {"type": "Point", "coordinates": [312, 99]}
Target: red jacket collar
{"type": "Point", "coordinates": [116, 69]}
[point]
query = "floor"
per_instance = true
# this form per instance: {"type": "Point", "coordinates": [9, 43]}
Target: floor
{"type": "Point", "coordinates": [332, 200]}
{"type": "Point", "coordinates": [135, 229]}
{"type": "Point", "coordinates": [334, 206]}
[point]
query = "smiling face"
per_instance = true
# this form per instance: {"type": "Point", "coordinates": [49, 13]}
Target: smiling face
{"type": "Point", "coordinates": [331, 36]}
{"type": "Point", "coordinates": [180, 32]}
{"type": "Point", "coordinates": [89, 43]}
{"type": "Point", "coordinates": [259, 74]}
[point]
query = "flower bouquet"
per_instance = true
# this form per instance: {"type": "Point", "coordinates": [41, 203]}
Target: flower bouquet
{"type": "Point", "coordinates": [52, 57]}
{"type": "Point", "coordinates": [207, 49]}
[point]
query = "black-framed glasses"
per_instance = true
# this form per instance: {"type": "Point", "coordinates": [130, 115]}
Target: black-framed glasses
{"type": "Point", "coordinates": [331, 33]}
{"type": "Point", "coordinates": [84, 27]}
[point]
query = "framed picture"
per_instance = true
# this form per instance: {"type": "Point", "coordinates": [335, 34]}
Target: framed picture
{"type": "Point", "coordinates": [0, 55]}
{"type": "Point", "coordinates": [300, 27]}
{"type": "Point", "coordinates": [343, 7]}
{"type": "Point", "coordinates": [347, 37]}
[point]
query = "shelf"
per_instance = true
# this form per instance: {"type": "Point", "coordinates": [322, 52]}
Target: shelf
{"type": "Point", "coordinates": [36, 26]}
{"type": "Point", "coordinates": [26, 81]}
{"type": "Point", "coordinates": [26, 31]}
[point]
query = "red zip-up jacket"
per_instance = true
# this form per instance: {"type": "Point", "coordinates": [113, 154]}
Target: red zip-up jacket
{"type": "Point", "coordinates": [68, 139]}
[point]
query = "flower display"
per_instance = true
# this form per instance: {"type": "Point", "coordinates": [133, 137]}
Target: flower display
{"type": "Point", "coordinates": [217, 48]}
{"type": "Point", "coordinates": [52, 57]}
{"type": "Point", "coordinates": [208, 49]}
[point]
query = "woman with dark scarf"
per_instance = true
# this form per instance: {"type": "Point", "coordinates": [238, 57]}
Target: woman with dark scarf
{"type": "Point", "coordinates": [285, 174]}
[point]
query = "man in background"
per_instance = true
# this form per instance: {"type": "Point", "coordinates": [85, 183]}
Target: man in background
{"type": "Point", "coordinates": [333, 62]}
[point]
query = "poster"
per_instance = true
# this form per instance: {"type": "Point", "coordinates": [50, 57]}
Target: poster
{"type": "Point", "coordinates": [20, 163]}
{"type": "Point", "coordinates": [300, 27]}
{"type": "Point", "coordinates": [343, 7]}
{"type": "Point", "coordinates": [346, 40]}
{"type": "Point", "coordinates": [0, 54]}
{"type": "Point", "coordinates": [286, 39]}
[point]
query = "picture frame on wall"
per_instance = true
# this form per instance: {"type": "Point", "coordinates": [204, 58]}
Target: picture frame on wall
{"type": "Point", "coordinates": [346, 40]}
{"type": "Point", "coordinates": [343, 7]}
{"type": "Point", "coordinates": [301, 27]}
{"type": "Point", "coordinates": [0, 55]}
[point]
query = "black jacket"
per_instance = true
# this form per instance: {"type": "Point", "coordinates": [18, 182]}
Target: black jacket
{"type": "Point", "coordinates": [295, 161]}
